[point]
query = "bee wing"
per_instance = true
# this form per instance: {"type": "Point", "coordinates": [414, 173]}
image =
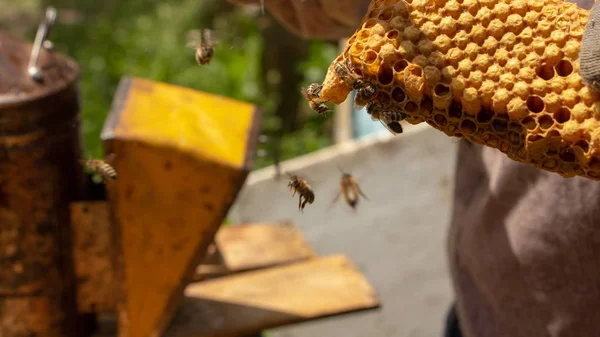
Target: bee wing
{"type": "Point", "coordinates": [337, 196]}
{"type": "Point", "coordinates": [194, 38]}
{"type": "Point", "coordinates": [361, 192]}
{"type": "Point", "coordinates": [212, 37]}
{"type": "Point", "coordinates": [304, 93]}
{"type": "Point", "coordinates": [388, 128]}
{"type": "Point", "coordinates": [110, 159]}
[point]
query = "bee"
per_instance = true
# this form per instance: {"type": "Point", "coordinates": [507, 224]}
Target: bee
{"type": "Point", "coordinates": [304, 190]}
{"type": "Point", "coordinates": [389, 119]}
{"type": "Point", "coordinates": [349, 189]}
{"type": "Point", "coordinates": [101, 167]}
{"type": "Point", "coordinates": [365, 92]}
{"type": "Point", "coordinates": [204, 44]}
{"type": "Point", "coordinates": [314, 101]}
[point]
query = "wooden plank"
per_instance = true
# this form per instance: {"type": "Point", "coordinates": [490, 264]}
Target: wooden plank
{"type": "Point", "coordinates": [246, 303]}
{"type": "Point", "coordinates": [182, 156]}
{"type": "Point", "coordinates": [93, 252]}
{"type": "Point", "coordinates": [251, 246]}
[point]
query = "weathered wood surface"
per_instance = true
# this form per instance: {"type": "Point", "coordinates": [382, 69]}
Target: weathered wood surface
{"type": "Point", "coordinates": [93, 253]}
{"type": "Point", "coordinates": [256, 245]}
{"type": "Point", "coordinates": [182, 157]}
{"type": "Point", "coordinates": [39, 177]}
{"type": "Point", "coordinates": [246, 303]}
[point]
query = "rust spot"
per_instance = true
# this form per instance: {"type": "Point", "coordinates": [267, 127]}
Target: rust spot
{"type": "Point", "coordinates": [208, 207]}
{"type": "Point", "coordinates": [168, 166]}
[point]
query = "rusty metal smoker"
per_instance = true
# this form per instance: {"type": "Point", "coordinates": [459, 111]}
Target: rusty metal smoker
{"type": "Point", "coordinates": [39, 176]}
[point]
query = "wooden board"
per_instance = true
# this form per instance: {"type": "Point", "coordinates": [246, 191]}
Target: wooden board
{"type": "Point", "coordinates": [246, 303]}
{"type": "Point", "coordinates": [252, 246]}
{"type": "Point", "coordinates": [92, 252]}
{"type": "Point", "coordinates": [182, 157]}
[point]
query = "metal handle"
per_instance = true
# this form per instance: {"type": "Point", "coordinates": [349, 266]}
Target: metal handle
{"type": "Point", "coordinates": [40, 40]}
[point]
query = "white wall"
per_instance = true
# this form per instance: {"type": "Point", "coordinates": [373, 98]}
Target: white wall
{"type": "Point", "coordinates": [397, 239]}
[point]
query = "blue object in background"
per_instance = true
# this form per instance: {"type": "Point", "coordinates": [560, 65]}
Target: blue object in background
{"type": "Point", "coordinates": [362, 124]}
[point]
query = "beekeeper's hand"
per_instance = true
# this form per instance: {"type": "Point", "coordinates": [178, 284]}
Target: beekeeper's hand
{"type": "Point", "coordinates": [589, 54]}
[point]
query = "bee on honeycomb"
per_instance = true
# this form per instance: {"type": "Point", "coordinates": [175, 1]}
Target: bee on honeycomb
{"type": "Point", "coordinates": [502, 74]}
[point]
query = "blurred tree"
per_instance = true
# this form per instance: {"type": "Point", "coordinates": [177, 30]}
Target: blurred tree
{"type": "Point", "coordinates": [257, 61]}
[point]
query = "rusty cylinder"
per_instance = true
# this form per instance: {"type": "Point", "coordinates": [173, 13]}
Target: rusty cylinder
{"type": "Point", "coordinates": [40, 144]}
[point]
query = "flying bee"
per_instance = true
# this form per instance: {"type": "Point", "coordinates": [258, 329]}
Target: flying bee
{"type": "Point", "coordinates": [389, 119]}
{"type": "Point", "coordinates": [304, 190]}
{"type": "Point", "coordinates": [312, 96]}
{"type": "Point", "coordinates": [204, 44]}
{"type": "Point", "coordinates": [365, 92]}
{"type": "Point", "coordinates": [349, 189]}
{"type": "Point", "coordinates": [101, 167]}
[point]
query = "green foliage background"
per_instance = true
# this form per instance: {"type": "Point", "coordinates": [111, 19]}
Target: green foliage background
{"type": "Point", "coordinates": [147, 38]}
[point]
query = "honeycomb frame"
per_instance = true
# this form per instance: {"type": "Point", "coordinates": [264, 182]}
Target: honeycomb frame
{"type": "Point", "coordinates": [499, 73]}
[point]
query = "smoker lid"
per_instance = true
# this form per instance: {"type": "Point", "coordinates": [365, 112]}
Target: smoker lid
{"type": "Point", "coordinates": [16, 86]}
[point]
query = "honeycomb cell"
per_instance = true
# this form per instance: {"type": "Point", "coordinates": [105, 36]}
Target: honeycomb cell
{"type": "Point", "coordinates": [485, 116]}
{"type": "Point", "coordinates": [527, 74]}
{"type": "Point", "coordinates": [357, 49]}
{"type": "Point", "coordinates": [545, 122]}
{"type": "Point", "coordinates": [441, 96]}
{"type": "Point", "coordinates": [452, 8]}
{"type": "Point", "coordinates": [570, 98]}
{"type": "Point", "coordinates": [545, 71]}
{"type": "Point", "coordinates": [539, 86]}
{"type": "Point", "coordinates": [448, 26]}
{"type": "Point", "coordinates": [455, 111]}
{"type": "Point", "coordinates": [400, 65]}
{"type": "Point", "coordinates": [478, 34]}
{"type": "Point", "coordinates": [412, 33]}
{"type": "Point", "coordinates": [407, 50]}
{"type": "Point", "coordinates": [386, 14]}
{"type": "Point", "coordinates": [385, 75]}
{"type": "Point", "coordinates": [562, 115]}
{"type": "Point", "coordinates": [370, 57]}
{"type": "Point", "coordinates": [529, 122]}
{"type": "Point", "coordinates": [567, 156]}
{"type": "Point", "coordinates": [494, 71]}
{"type": "Point", "coordinates": [432, 75]}
{"type": "Point", "coordinates": [535, 104]}
{"type": "Point", "coordinates": [440, 120]}
{"type": "Point", "coordinates": [521, 90]}
{"type": "Point", "coordinates": [500, 125]}
{"type": "Point", "coordinates": [429, 30]}
{"type": "Point", "coordinates": [508, 41]}
{"type": "Point", "coordinates": [507, 80]}
{"type": "Point", "coordinates": [550, 163]}
{"type": "Point", "coordinates": [500, 100]}
{"type": "Point", "coordinates": [398, 95]}
{"type": "Point", "coordinates": [467, 127]}
{"type": "Point", "coordinates": [484, 15]}
{"type": "Point", "coordinates": [517, 109]}
{"type": "Point", "coordinates": [425, 47]}
{"type": "Point", "coordinates": [496, 29]}
{"type": "Point", "coordinates": [553, 54]}
{"type": "Point", "coordinates": [411, 107]}
{"type": "Point", "coordinates": [580, 112]}
{"type": "Point", "coordinates": [514, 23]}
{"type": "Point", "coordinates": [583, 145]}
{"type": "Point", "coordinates": [564, 68]}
